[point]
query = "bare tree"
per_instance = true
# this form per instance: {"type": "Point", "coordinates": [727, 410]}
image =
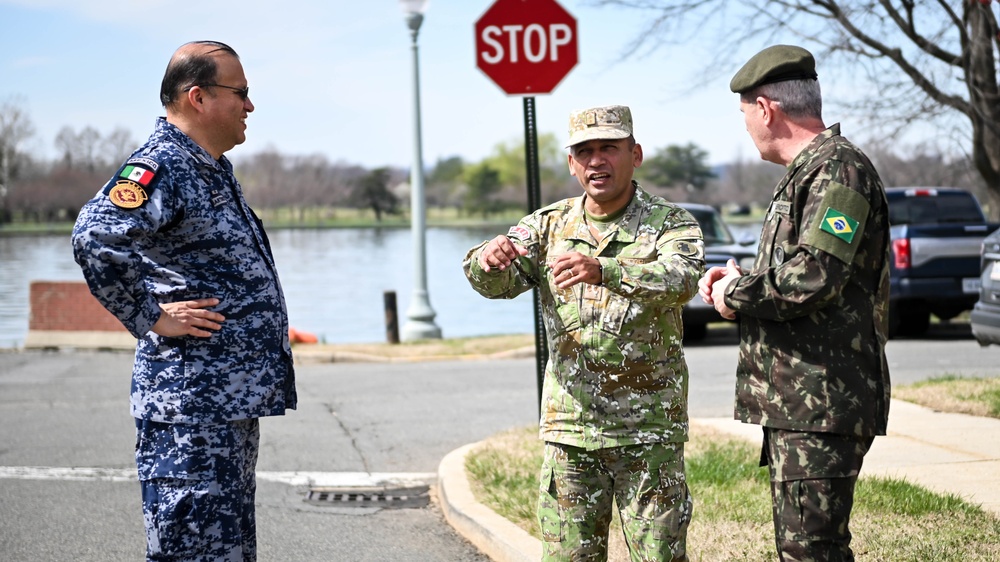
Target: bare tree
{"type": "Point", "coordinates": [928, 60]}
{"type": "Point", "coordinates": [746, 182]}
{"type": "Point", "coordinates": [67, 144]}
{"type": "Point", "coordinates": [116, 147]}
{"type": "Point", "coordinates": [90, 141]}
{"type": "Point", "coordinates": [15, 129]}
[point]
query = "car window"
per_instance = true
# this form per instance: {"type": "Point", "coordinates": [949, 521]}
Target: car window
{"type": "Point", "coordinates": [933, 210]}
{"type": "Point", "coordinates": [714, 231]}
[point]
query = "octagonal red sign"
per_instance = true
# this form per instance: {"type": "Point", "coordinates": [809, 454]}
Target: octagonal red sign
{"type": "Point", "coordinates": [526, 46]}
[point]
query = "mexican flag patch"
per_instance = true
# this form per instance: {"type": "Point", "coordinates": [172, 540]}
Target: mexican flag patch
{"type": "Point", "coordinates": [839, 225]}
{"type": "Point", "coordinates": [137, 174]}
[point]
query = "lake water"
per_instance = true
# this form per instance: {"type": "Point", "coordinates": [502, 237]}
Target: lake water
{"type": "Point", "coordinates": [334, 280]}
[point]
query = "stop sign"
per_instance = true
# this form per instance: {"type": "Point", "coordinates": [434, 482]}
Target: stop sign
{"type": "Point", "coordinates": [526, 46]}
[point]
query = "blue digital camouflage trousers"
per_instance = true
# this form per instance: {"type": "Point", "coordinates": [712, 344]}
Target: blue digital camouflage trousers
{"type": "Point", "coordinates": [812, 491]}
{"type": "Point", "coordinates": [647, 482]}
{"type": "Point", "coordinates": [198, 487]}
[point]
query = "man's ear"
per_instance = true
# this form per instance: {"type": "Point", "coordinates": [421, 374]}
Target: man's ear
{"type": "Point", "coordinates": [196, 97]}
{"type": "Point", "coordinates": [637, 155]}
{"type": "Point", "coordinates": [767, 109]}
{"type": "Point", "coordinates": [569, 162]}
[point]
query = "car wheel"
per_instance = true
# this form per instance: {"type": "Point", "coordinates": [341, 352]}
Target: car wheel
{"type": "Point", "coordinates": [909, 319]}
{"type": "Point", "coordinates": [695, 332]}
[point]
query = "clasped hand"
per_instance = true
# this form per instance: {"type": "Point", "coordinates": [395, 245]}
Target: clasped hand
{"type": "Point", "coordinates": [712, 287]}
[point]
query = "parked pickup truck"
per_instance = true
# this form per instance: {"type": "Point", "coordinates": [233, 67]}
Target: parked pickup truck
{"type": "Point", "coordinates": [937, 235]}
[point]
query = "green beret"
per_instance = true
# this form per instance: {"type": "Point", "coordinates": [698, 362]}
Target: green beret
{"type": "Point", "coordinates": [778, 63]}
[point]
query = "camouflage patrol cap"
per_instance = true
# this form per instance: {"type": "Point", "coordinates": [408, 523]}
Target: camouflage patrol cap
{"type": "Point", "coordinates": [609, 122]}
{"type": "Point", "coordinates": [778, 63]}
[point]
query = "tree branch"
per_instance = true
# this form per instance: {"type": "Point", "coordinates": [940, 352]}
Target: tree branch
{"type": "Point", "coordinates": [896, 56]}
{"type": "Point", "coordinates": [908, 27]}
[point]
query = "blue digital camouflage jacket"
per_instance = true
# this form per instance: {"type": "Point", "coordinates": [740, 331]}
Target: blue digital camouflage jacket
{"type": "Point", "coordinates": [173, 225]}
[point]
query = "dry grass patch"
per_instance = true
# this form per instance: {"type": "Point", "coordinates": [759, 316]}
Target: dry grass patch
{"type": "Point", "coordinates": [973, 396]}
{"type": "Point", "coordinates": [452, 347]}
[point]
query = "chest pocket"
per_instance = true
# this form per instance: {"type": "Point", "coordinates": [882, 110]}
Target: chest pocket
{"type": "Point", "coordinates": [778, 237]}
{"type": "Point", "coordinates": [618, 310]}
{"type": "Point", "coordinates": [615, 313]}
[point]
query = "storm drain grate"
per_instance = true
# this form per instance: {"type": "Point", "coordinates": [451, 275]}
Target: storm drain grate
{"type": "Point", "coordinates": [385, 498]}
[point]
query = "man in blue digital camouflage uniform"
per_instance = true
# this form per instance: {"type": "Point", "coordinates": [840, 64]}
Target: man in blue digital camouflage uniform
{"type": "Point", "coordinates": [614, 267]}
{"type": "Point", "coordinates": [171, 248]}
{"type": "Point", "coordinates": [813, 324]}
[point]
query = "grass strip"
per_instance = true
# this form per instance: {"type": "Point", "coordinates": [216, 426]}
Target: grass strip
{"type": "Point", "coordinates": [976, 396]}
{"type": "Point", "coordinates": [893, 520]}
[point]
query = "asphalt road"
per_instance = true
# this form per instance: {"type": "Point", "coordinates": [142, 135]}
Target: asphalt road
{"type": "Point", "coordinates": [355, 421]}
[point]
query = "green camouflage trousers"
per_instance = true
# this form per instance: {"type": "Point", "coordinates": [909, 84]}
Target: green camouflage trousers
{"type": "Point", "coordinates": [812, 491]}
{"type": "Point", "coordinates": [576, 490]}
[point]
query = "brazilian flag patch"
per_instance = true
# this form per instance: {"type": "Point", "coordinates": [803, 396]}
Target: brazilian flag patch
{"type": "Point", "coordinates": [839, 225]}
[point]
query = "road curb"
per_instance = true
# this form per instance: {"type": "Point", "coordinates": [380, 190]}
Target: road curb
{"type": "Point", "coordinates": [492, 534]}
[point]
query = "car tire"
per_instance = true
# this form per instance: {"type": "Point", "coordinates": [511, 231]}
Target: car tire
{"type": "Point", "coordinates": [908, 319]}
{"type": "Point", "coordinates": [695, 332]}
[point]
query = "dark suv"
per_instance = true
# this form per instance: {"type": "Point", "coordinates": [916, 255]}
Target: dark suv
{"type": "Point", "coordinates": [720, 247]}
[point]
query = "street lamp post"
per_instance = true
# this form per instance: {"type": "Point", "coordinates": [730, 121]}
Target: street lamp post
{"type": "Point", "coordinates": [420, 316]}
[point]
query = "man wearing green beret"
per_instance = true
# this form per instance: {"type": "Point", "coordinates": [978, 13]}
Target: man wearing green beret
{"type": "Point", "coordinates": [613, 267]}
{"type": "Point", "coordinates": [813, 309]}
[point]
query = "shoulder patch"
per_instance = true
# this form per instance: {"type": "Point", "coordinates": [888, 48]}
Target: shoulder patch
{"type": "Point", "coordinates": [139, 170]}
{"type": "Point", "coordinates": [519, 233]}
{"type": "Point", "coordinates": [839, 224]}
{"type": "Point", "coordinates": [689, 248]}
{"type": "Point", "coordinates": [127, 194]}
{"type": "Point", "coordinates": [133, 183]}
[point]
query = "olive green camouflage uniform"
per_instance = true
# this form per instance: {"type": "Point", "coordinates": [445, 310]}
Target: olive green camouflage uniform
{"type": "Point", "coordinates": [616, 377]}
{"type": "Point", "coordinates": [813, 326]}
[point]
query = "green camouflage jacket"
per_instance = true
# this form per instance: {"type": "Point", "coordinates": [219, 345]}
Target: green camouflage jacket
{"type": "Point", "coordinates": [813, 310]}
{"type": "Point", "coordinates": [616, 373]}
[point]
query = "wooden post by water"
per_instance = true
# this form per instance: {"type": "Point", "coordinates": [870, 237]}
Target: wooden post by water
{"type": "Point", "coordinates": [391, 318]}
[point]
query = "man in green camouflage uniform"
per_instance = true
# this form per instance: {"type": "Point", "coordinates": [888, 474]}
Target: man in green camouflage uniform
{"type": "Point", "coordinates": [614, 267]}
{"type": "Point", "coordinates": [813, 323]}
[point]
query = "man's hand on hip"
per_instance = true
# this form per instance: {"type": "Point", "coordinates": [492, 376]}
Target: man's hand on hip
{"type": "Point", "coordinates": [188, 318]}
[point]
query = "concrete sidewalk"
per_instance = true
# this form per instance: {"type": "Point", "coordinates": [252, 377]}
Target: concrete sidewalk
{"type": "Point", "coordinates": [947, 453]}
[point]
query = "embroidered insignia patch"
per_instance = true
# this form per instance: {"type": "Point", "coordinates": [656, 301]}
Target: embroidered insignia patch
{"type": "Point", "coordinates": [127, 194]}
{"type": "Point", "coordinates": [140, 170]}
{"type": "Point", "coordinates": [685, 248]}
{"type": "Point", "coordinates": [138, 174]}
{"type": "Point", "coordinates": [839, 225]}
{"type": "Point", "coordinates": [519, 233]}
{"type": "Point", "coordinates": [217, 198]}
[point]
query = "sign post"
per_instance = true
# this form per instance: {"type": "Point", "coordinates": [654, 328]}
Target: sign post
{"type": "Point", "coordinates": [527, 47]}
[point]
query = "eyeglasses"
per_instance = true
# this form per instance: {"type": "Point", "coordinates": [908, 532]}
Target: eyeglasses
{"type": "Point", "coordinates": [243, 93]}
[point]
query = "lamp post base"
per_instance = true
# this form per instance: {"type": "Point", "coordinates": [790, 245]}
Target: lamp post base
{"type": "Point", "coordinates": [420, 330]}
{"type": "Point", "coordinates": [420, 319]}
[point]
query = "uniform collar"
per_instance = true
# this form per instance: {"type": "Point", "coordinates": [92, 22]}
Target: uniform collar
{"type": "Point", "coordinates": [169, 132]}
{"type": "Point", "coordinates": [623, 229]}
{"type": "Point", "coordinates": [810, 149]}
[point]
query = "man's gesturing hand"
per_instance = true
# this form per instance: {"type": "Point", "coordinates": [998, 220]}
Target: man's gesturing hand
{"type": "Point", "coordinates": [573, 268]}
{"type": "Point", "coordinates": [188, 318]}
{"type": "Point", "coordinates": [499, 253]}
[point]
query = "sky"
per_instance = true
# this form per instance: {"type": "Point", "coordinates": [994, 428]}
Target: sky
{"type": "Point", "coordinates": [334, 77]}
